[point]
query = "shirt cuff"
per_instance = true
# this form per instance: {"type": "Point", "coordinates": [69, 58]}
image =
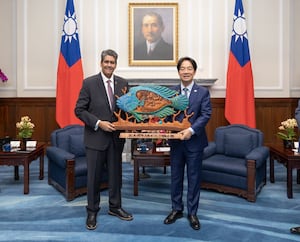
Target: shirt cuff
{"type": "Point", "coordinates": [193, 132]}
{"type": "Point", "coordinates": [97, 125]}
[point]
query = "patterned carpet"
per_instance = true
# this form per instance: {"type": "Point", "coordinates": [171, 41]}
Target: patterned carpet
{"type": "Point", "coordinates": [44, 214]}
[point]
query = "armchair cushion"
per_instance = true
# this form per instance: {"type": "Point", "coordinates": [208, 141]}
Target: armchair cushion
{"type": "Point", "coordinates": [237, 145]}
{"type": "Point", "coordinates": [226, 164]}
{"type": "Point", "coordinates": [77, 145]}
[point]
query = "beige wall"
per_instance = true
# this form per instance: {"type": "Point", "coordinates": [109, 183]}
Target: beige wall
{"type": "Point", "coordinates": [30, 33]}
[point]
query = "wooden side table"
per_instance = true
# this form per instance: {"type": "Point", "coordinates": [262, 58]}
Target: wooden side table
{"type": "Point", "coordinates": [290, 160]}
{"type": "Point", "coordinates": [24, 158]}
{"type": "Point", "coordinates": [150, 158]}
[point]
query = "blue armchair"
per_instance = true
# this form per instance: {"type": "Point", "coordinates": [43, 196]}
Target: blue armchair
{"type": "Point", "coordinates": [67, 166]}
{"type": "Point", "coordinates": [235, 162]}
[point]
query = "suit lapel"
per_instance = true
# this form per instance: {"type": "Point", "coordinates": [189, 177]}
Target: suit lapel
{"type": "Point", "coordinates": [193, 93]}
{"type": "Point", "coordinates": [118, 87]}
{"type": "Point", "coordinates": [102, 90]}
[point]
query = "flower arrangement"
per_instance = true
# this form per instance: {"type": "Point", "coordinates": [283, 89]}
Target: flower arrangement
{"type": "Point", "coordinates": [287, 129]}
{"type": "Point", "coordinates": [25, 127]}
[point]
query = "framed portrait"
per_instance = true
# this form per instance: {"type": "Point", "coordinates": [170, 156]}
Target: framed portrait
{"type": "Point", "coordinates": [153, 34]}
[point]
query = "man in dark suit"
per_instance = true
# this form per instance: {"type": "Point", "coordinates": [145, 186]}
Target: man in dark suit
{"type": "Point", "coordinates": [95, 107]}
{"type": "Point", "coordinates": [296, 230]}
{"type": "Point", "coordinates": [188, 151]}
{"type": "Point", "coordinates": [154, 47]}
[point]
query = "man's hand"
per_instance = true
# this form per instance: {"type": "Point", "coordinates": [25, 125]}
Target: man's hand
{"type": "Point", "coordinates": [186, 134]}
{"type": "Point", "coordinates": [106, 126]}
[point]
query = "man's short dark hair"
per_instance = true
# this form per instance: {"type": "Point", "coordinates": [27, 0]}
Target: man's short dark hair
{"type": "Point", "coordinates": [158, 16]}
{"type": "Point", "coordinates": [186, 58]}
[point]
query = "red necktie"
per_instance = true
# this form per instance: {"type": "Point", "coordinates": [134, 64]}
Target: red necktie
{"type": "Point", "coordinates": [110, 94]}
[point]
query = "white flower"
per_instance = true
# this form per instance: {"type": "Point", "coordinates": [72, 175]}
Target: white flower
{"type": "Point", "coordinates": [26, 127]}
{"type": "Point", "coordinates": [288, 129]}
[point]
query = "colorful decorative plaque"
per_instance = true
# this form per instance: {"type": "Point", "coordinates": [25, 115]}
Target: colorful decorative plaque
{"type": "Point", "coordinates": [147, 108]}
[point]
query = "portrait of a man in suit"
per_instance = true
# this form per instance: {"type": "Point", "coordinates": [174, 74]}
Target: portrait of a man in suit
{"type": "Point", "coordinates": [153, 46]}
{"type": "Point", "coordinates": [153, 34]}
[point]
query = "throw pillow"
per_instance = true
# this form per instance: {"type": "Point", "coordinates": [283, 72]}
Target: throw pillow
{"type": "Point", "coordinates": [238, 145]}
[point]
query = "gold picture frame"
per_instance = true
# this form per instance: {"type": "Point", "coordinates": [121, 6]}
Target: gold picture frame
{"type": "Point", "coordinates": [162, 19]}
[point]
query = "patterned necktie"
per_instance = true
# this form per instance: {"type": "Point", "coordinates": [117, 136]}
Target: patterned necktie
{"type": "Point", "coordinates": [185, 92]}
{"type": "Point", "coordinates": [110, 94]}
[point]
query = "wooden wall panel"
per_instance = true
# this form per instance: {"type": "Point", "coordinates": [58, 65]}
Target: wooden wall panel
{"type": "Point", "coordinates": [3, 119]}
{"type": "Point", "coordinates": [40, 110]}
{"type": "Point", "coordinates": [269, 113]}
{"type": "Point", "coordinates": [217, 119]}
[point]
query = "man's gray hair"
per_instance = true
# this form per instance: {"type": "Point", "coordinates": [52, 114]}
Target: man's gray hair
{"type": "Point", "coordinates": [110, 53]}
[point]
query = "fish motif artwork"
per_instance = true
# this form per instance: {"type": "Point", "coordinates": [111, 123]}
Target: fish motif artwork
{"type": "Point", "coordinates": [148, 101]}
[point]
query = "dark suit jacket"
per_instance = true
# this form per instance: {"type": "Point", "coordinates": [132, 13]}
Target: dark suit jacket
{"type": "Point", "coordinates": [162, 51]}
{"type": "Point", "coordinates": [199, 104]}
{"type": "Point", "coordinates": [93, 105]}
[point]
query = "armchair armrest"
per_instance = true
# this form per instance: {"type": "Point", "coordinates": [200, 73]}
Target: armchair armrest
{"type": "Point", "coordinates": [209, 150]}
{"type": "Point", "coordinates": [259, 154]}
{"type": "Point", "coordinates": [59, 156]}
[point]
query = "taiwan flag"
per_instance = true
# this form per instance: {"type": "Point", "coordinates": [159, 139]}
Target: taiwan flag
{"type": "Point", "coordinates": [69, 72]}
{"type": "Point", "coordinates": [239, 103]}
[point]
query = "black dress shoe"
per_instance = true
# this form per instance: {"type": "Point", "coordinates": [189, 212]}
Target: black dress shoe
{"type": "Point", "coordinates": [173, 216]}
{"type": "Point", "coordinates": [295, 230]}
{"type": "Point", "coordinates": [91, 221]}
{"type": "Point", "coordinates": [194, 222]}
{"type": "Point", "coordinates": [121, 214]}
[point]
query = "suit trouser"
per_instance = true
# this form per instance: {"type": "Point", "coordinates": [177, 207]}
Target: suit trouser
{"type": "Point", "coordinates": [180, 158]}
{"type": "Point", "coordinates": [96, 161]}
